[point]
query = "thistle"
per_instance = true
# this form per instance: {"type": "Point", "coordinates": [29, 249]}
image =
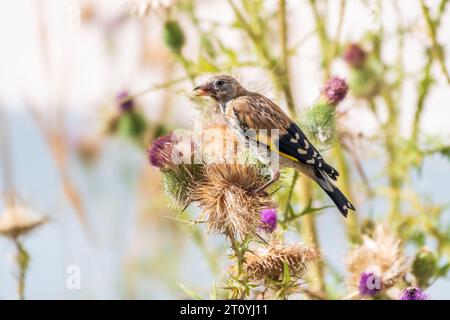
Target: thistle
{"type": "Point", "coordinates": [365, 77]}
{"type": "Point", "coordinates": [320, 120]}
{"type": "Point", "coordinates": [268, 263]}
{"type": "Point", "coordinates": [379, 256]}
{"type": "Point", "coordinates": [424, 266]}
{"type": "Point", "coordinates": [413, 293]}
{"type": "Point", "coordinates": [18, 220]}
{"type": "Point", "coordinates": [268, 220]}
{"type": "Point", "coordinates": [174, 156]}
{"type": "Point", "coordinates": [226, 195]}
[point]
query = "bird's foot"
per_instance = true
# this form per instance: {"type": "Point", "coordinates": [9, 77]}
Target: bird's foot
{"type": "Point", "coordinates": [260, 192]}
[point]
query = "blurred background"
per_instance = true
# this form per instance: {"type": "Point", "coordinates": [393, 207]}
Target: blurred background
{"type": "Point", "coordinates": [63, 63]}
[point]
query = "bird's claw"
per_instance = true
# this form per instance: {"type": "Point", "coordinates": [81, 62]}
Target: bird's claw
{"type": "Point", "coordinates": [260, 192]}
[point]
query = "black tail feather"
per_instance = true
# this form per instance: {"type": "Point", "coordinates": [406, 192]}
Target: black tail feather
{"type": "Point", "coordinates": [339, 199]}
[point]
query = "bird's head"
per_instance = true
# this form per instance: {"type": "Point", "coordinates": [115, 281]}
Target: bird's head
{"type": "Point", "coordinates": [222, 88]}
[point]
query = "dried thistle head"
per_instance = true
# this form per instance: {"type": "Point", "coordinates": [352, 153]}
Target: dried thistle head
{"type": "Point", "coordinates": [380, 256]}
{"type": "Point", "coordinates": [19, 219]}
{"type": "Point", "coordinates": [268, 263]}
{"type": "Point", "coordinates": [227, 197]}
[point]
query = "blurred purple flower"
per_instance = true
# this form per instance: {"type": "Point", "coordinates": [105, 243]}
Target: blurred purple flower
{"type": "Point", "coordinates": [334, 90]}
{"type": "Point", "coordinates": [160, 151]}
{"type": "Point", "coordinates": [268, 219]}
{"type": "Point", "coordinates": [354, 55]}
{"type": "Point", "coordinates": [413, 293]}
{"type": "Point", "coordinates": [369, 284]}
{"type": "Point", "coordinates": [124, 102]}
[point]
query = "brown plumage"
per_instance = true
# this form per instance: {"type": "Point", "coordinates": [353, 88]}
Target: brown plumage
{"type": "Point", "coordinates": [254, 118]}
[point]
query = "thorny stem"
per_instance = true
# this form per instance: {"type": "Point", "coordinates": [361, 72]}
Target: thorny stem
{"type": "Point", "coordinates": [432, 29]}
{"type": "Point", "coordinates": [424, 86]}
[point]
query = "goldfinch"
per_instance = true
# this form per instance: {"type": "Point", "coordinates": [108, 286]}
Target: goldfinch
{"type": "Point", "coordinates": [246, 111]}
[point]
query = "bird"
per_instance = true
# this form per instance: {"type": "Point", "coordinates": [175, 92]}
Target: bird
{"type": "Point", "coordinates": [247, 113]}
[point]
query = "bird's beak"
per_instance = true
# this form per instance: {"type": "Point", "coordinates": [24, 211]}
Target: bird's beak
{"type": "Point", "coordinates": [203, 90]}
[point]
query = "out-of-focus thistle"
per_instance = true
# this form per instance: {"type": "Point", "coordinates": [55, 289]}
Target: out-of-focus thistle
{"type": "Point", "coordinates": [377, 264]}
{"type": "Point", "coordinates": [413, 293]}
{"type": "Point", "coordinates": [268, 219]}
{"type": "Point", "coordinates": [130, 123]}
{"type": "Point", "coordinates": [365, 73]}
{"type": "Point", "coordinates": [319, 121]}
{"type": "Point", "coordinates": [268, 263]}
{"type": "Point", "coordinates": [173, 36]}
{"type": "Point", "coordinates": [174, 156]}
{"type": "Point", "coordinates": [424, 267]}
{"type": "Point", "coordinates": [226, 195]}
{"type": "Point", "coordinates": [18, 220]}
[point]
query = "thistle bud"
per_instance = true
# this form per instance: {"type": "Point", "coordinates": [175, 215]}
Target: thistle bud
{"type": "Point", "coordinates": [173, 36]}
{"type": "Point", "coordinates": [125, 102]}
{"type": "Point", "coordinates": [319, 123]}
{"type": "Point", "coordinates": [354, 55]}
{"type": "Point", "coordinates": [424, 266]}
{"type": "Point", "coordinates": [334, 90]}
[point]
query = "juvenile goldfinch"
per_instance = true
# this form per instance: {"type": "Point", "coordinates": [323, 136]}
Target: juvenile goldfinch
{"type": "Point", "coordinates": [246, 111]}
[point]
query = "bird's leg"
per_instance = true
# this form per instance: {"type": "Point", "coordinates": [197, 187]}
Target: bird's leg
{"type": "Point", "coordinates": [273, 179]}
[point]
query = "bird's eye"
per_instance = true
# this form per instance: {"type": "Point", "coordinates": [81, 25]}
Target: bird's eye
{"type": "Point", "coordinates": [220, 83]}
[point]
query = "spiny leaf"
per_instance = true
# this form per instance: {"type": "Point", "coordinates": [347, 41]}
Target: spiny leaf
{"type": "Point", "coordinates": [189, 292]}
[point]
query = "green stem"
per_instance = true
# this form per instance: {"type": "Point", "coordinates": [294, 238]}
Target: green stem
{"type": "Point", "coordinates": [432, 30]}
{"type": "Point", "coordinates": [309, 234]}
{"type": "Point", "coordinates": [424, 86]}
{"type": "Point", "coordinates": [23, 260]}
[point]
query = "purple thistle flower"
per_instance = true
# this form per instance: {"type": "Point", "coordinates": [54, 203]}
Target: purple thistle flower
{"type": "Point", "coordinates": [354, 55]}
{"type": "Point", "coordinates": [160, 151]}
{"type": "Point", "coordinates": [124, 103]}
{"type": "Point", "coordinates": [335, 90]}
{"type": "Point", "coordinates": [369, 284]}
{"type": "Point", "coordinates": [413, 293]}
{"type": "Point", "coordinates": [268, 219]}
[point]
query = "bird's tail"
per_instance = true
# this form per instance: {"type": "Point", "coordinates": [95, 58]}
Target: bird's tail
{"type": "Point", "coordinates": [334, 193]}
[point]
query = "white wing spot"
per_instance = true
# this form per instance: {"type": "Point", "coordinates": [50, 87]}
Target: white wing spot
{"type": "Point", "coordinates": [301, 151]}
{"type": "Point", "coordinates": [320, 164]}
{"type": "Point", "coordinates": [344, 208]}
{"type": "Point", "coordinates": [297, 136]}
{"type": "Point", "coordinates": [294, 140]}
{"type": "Point", "coordinates": [306, 144]}
{"type": "Point", "coordinates": [311, 161]}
